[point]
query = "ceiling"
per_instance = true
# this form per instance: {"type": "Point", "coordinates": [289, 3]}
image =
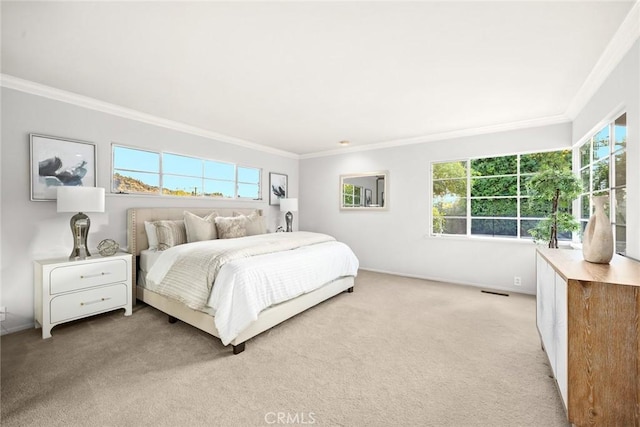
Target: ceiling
{"type": "Point", "coordinates": [302, 76]}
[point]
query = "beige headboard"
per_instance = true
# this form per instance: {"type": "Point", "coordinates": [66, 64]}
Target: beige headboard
{"type": "Point", "coordinates": [137, 237]}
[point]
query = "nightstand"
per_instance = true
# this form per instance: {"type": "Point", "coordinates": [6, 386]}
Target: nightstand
{"type": "Point", "coordinates": [68, 290]}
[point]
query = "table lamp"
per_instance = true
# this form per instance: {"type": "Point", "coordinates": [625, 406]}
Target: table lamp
{"type": "Point", "coordinates": [288, 206]}
{"type": "Point", "coordinates": [80, 199]}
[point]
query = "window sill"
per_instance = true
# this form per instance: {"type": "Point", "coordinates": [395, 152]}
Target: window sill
{"type": "Point", "coordinates": [189, 198]}
{"type": "Point", "coordinates": [562, 244]}
{"type": "Point", "coordinates": [477, 238]}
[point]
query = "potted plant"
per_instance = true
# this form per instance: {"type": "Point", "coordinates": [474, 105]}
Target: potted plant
{"type": "Point", "coordinates": [557, 188]}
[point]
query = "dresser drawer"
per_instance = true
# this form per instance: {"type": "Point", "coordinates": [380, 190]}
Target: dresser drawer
{"type": "Point", "coordinates": [80, 304]}
{"type": "Point", "coordinates": [80, 276]}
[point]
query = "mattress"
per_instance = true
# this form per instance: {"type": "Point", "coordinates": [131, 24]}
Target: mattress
{"type": "Point", "coordinates": [148, 257]}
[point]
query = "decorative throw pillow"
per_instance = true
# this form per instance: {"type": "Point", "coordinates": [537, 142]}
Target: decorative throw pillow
{"type": "Point", "coordinates": [200, 228]}
{"type": "Point", "coordinates": [152, 238]}
{"type": "Point", "coordinates": [254, 223]}
{"type": "Point", "coordinates": [230, 227]}
{"type": "Point", "coordinates": [170, 233]}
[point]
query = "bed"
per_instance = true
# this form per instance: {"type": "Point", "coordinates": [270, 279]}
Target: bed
{"type": "Point", "coordinates": [146, 264]}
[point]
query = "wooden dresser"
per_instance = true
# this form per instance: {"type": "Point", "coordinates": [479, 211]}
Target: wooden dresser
{"type": "Point", "coordinates": [588, 317]}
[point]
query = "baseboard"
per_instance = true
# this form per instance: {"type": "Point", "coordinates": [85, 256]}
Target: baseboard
{"type": "Point", "coordinates": [6, 331]}
{"type": "Point", "coordinates": [440, 279]}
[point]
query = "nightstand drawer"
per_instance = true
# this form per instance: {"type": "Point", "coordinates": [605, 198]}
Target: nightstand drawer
{"type": "Point", "coordinates": [80, 304]}
{"type": "Point", "coordinates": [80, 276]}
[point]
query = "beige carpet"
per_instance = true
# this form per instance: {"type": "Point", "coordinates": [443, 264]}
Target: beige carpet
{"type": "Point", "coordinates": [396, 352]}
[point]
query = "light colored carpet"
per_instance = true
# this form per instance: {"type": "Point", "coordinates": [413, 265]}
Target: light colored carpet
{"type": "Point", "coordinates": [396, 352]}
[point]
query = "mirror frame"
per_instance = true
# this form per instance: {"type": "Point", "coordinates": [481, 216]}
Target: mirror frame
{"type": "Point", "coordinates": [384, 190]}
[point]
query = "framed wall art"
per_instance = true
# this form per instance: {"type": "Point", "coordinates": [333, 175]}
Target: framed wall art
{"type": "Point", "coordinates": [277, 187]}
{"type": "Point", "coordinates": [59, 162]}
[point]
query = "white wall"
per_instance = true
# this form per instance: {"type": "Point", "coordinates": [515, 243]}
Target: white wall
{"type": "Point", "coordinates": [620, 92]}
{"type": "Point", "coordinates": [33, 230]}
{"type": "Point", "coordinates": [394, 240]}
{"type": "Point", "coordinates": [397, 240]}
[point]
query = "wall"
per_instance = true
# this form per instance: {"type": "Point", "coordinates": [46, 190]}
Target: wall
{"type": "Point", "coordinates": [620, 92]}
{"type": "Point", "coordinates": [33, 230]}
{"type": "Point", "coordinates": [397, 240]}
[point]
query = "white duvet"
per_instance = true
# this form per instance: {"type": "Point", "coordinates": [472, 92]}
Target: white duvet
{"type": "Point", "coordinates": [244, 287]}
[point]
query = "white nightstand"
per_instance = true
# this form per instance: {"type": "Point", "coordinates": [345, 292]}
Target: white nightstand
{"type": "Point", "coordinates": [69, 290]}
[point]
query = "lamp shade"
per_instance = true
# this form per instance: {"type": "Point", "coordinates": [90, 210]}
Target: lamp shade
{"type": "Point", "coordinates": [288, 205]}
{"type": "Point", "coordinates": [80, 199]}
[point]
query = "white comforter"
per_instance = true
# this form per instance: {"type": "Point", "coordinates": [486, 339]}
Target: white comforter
{"type": "Point", "coordinates": [244, 287]}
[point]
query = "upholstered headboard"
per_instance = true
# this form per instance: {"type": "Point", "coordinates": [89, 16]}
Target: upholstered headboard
{"type": "Point", "coordinates": [137, 236]}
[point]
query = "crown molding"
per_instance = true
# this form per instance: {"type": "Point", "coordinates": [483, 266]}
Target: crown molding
{"type": "Point", "coordinates": [622, 41]}
{"type": "Point", "coordinates": [33, 88]}
{"type": "Point", "coordinates": [617, 48]}
{"type": "Point", "coordinates": [619, 45]}
{"type": "Point", "coordinates": [524, 124]}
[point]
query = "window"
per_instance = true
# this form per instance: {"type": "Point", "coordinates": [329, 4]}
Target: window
{"type": "Point", "coordinates": [135, 171]}
{"type": "Point", "coordinates": [494, 196]}
{"type": "Point", "coordinates": [450, 197]}
{"type": "Point", "coordinates": [603, 169]}
{"type": "Point", "coordinates": [352, 195]}
{"type": "Point", "coordinates": [142, 171]}
{"type": "Point", "coordinates": [182, 175]}
{"type": "Point", "coordinates": [487, 196]}
{"type": "Point", "coordinates": [248, 183]}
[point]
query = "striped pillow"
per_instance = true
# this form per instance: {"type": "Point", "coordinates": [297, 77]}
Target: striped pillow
{"type": "Point", "coordinates": [170, 233]}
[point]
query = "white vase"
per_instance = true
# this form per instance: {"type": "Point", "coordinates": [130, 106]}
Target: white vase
{"type": "Point", "coordinates": [597, 241]}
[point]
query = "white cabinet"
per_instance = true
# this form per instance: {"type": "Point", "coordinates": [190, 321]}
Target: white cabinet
{"type": "Point", "coordinates": [67, 290]}
{"type": "Point", "coordinates": [551, 310]}
{"type": "Point", "coordinates": [560, 336]}
{"type": "Point", "coordinates": [546, 301]}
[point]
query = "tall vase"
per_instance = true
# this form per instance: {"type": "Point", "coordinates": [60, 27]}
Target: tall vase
{"type": "Point", "coordinates": [597, 241]}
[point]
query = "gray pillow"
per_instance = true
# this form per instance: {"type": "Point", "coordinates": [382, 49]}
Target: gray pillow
{"type": "Point", "coordinates": [230, 227]}
{"type": "Point", "coordinates": [200, 228]}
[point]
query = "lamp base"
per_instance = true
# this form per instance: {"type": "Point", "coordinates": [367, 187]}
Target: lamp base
{"type": "Point", "coordinates": [289, 218]}
{"type": "Point", "coordinates": [80, 224]}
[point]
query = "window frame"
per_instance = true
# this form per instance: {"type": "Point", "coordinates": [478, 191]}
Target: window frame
{"type": "Point", "coordinates": [612, 189]}
{"type": "Point", "coordinates": [353, 196]}
{"type": "Point", "coordinates": [520, 197]}
{"type": "Point", "coordinates": [471, 198]}
{"type": "Point", "coordinates": [161, 175]}
{"type": "Point", "coordinates": [238, 182]}
{"type": "Point", "coordinates": [113, 168]}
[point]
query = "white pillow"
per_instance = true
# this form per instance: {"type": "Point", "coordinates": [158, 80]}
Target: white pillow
{"type": "Point", "coordinates": [200, 228]}
{"type": "Point", "coordinates": [152, 237]}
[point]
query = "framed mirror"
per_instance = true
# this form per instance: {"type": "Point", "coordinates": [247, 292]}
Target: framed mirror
{"type": "Point", "coordinates": [364, 191]}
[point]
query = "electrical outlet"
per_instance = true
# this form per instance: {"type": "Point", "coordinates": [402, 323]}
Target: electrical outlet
{"type": "Point", "coordinates": [517, 281]}
{"type": "Point", "coordinates": [3, 313]}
